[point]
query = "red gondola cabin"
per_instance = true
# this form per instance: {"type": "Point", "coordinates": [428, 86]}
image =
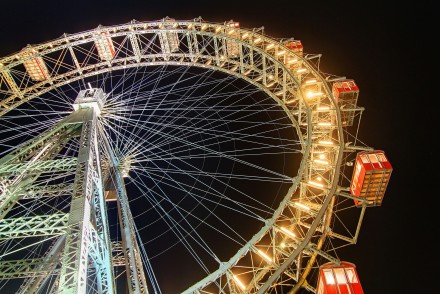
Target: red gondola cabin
{"type": "Point", "coordinates": [338, 279]}
{"type": "Point", "coordinates": [295, 45]}
{"type": "Point", "coordinates": [35, 66]}
{"type": "Point", "coordinates": [346, 95]}
{"type": "Point", "coordinates": [371, 175]}
{"type": "Point", "coordinates": [232, 46]}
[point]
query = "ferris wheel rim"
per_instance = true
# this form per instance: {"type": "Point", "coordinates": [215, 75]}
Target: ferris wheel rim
{"type": "Point", "coordinates": [70, 41]}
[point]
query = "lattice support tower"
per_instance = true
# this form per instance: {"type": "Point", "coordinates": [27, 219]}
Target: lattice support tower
{"type": "Point", "coordinates": [80, 238]}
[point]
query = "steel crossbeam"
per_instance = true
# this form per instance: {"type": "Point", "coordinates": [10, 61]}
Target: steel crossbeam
{"type": "Point", "coordinates": [33, 226]}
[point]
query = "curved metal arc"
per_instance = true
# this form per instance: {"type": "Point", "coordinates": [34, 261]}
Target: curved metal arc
{"type": "Point", "coordinates": [325, 209]}
{"type": "Point", "coordinates": [309, 234]}
{"type": "Point", "coordinates": [114, 31]}
{"type": "Point", "coordinates": [124, 30]}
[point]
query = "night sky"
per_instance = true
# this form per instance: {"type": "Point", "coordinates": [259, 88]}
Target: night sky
{"type": "Point", "coordinates": [388, 49]}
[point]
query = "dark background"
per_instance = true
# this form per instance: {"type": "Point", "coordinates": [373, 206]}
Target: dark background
{"type": "Point", "coordinates": [387, 48]}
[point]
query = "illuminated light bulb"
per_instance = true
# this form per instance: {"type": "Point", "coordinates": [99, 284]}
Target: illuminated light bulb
{"type": "Point", "coordinates": [316, 184]}
{"type": "Point", "coordinates": [325, 142]}
{"type": "Point", "coordinates": [321, 156]}
{"type": "Point", "coordinates": [230, 32]}
{"type": "Point", "coordinates": [324, 124]}
{"type": "Point", "coordinates": [301, 70]}
{"type": "Point", "coordinates": [208, 62]}
{"type": "Point", "coordinates": [175, 25]}
{"type": "Point", "coordinates": [257, 40]}
{"type": "Point", "coordinates": [237, 24]}
{"type": "Point", "coordinates": [283, 245]}
{"type": "Point", "coordinates": [247, 72]}
{"type": "Point", "coordinates": [258, 79]}
{"type": "Point", "coordinates": [300, 205]}
{"type": "Point", "coordinates": [239, 283]}
{"type": "Point", "coordinates": [203, 27]}
{"type": "Point", "coordinates": [264, 255]}
{"type": "Point", "coordinates": [311, 94]}
{"type": "Point", "coordinates": [270, 77]}
{"type": "Point", "coordinates": [218, 29]}
{"type": "Point", "coordinates": [310, 81]}
{"type": "Point", "coordinates": [281, 52]}
{"type": "Point", "coordinates": [279, 93]}
{"type": "Point", "coordinates": [287, 232]}
{"type": "Point", "coordinates": [270, 46]}
{"type": "Point", "coordinates": [234, 68]}
{"type": "Point", "coordinates": [323, 108]}
{"type": "Point", "coordinates": [319, 179]}
{"type": "Point", "coordinates": [245, 36]}
{"type": "Point", "coordinates": [320, 161]}
{"type": "Point", "coordinates": [292, 61]}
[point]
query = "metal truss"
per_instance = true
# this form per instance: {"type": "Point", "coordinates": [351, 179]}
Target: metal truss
{"type": "Point", "coordinates": [44, 225]}
{"type": "Point", "coordinates": [82, 237]}
{"type": "Point", "coordinates": [39, 167]}
{"type": "Point", "coordinates": [118, 254]}
{"type": "Point", "coordinates": [13, 269]}
{"type": "Point", "coordinates": [37, 192]}
{"type": "Point", "coordinates": [134, 267]}
{"type": "Point", "coordinates": [85, 242]}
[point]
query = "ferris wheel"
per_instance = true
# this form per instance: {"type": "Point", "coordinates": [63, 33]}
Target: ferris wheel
{"type": "Point", "coordinates": [178, 156]}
